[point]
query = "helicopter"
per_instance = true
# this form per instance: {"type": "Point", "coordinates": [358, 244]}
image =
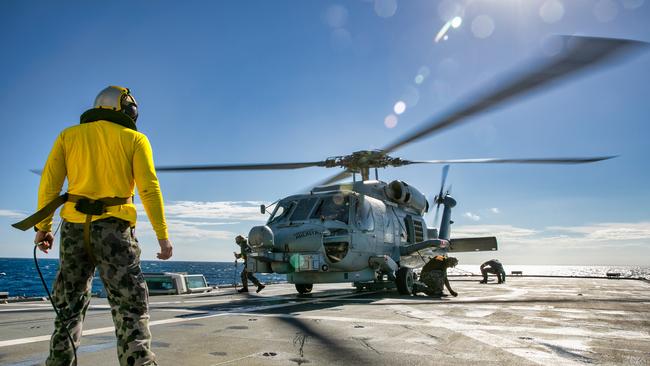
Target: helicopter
{"type": "Point", "coordinates": [370, 233]}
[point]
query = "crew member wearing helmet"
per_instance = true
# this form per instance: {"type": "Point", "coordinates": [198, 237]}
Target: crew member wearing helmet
{"type": "Point", "coordinates": [246, 275]}
{"type": "Point", "coordinates": [434, 276]}
{"type": "Point", "coordinates": [103, 158]}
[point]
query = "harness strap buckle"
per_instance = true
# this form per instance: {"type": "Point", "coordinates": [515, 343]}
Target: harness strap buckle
{"type": "Point", "coordinates": [90, 207]}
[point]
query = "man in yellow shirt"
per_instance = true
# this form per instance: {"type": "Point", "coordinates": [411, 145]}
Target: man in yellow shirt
{"type": "Point", "coordinates": [103, 158]}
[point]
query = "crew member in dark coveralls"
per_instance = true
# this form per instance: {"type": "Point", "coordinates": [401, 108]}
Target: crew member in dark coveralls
{"type": "Point", "coordinates": [434, 276]}
{"type": "Point", "coordinates": [495, 267]}
{"type": "Point", "coordinates": [245, 273]}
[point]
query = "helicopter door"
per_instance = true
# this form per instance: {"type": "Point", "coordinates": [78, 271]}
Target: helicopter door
{"type": "Point", "coordinates": [389, 228]}
{"type": "Point", "coordinates": [379, 214]}
{"type": "Point", "coordinates": [365, 222]}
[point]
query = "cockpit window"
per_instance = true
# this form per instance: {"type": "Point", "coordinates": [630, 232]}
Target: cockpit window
{"type": "Point", "coordinates": [281, 210]}
{"type": "Point", "coordinates": [364, 219]}
{"type": "Point", "coordinates": [335, 207]}
{"type": "Point", "coordinates": [302, 210]}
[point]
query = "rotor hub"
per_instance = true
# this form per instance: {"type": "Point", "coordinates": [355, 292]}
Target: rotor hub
{"type": "Point", "coordinates": [362, 160]}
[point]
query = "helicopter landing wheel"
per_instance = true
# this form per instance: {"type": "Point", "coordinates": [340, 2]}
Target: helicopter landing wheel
{"type": "Point", "coordinates": [404, 280]}
{"type": "Point", "coordinates": [304, 288]}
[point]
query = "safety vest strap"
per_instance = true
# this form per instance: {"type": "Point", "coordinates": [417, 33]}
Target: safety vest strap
{"type": "Point", "coordinates": [83, 204]}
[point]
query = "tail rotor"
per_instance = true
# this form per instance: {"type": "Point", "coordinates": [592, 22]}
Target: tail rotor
{"type": "Point", "coordinates": [440, 197]}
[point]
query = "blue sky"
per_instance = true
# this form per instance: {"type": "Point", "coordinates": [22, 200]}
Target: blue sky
{"type": "Point", "coordinates": [276, 81]}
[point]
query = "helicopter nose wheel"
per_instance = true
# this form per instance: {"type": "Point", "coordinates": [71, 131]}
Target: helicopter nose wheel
{"type": "Point", "coordinates": [404, 280]}
{"type": "Point", "coordinates": [304, 288]}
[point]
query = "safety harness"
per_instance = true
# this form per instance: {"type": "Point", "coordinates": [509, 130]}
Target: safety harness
{"type": "Point", "coordinates": [85, 205]}
{"type": "Point", "coordinates": [89, 207]}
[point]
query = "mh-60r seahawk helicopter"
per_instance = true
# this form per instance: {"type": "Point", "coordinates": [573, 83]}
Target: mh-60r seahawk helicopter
{"type": "Point", "coordinates": [368, 231]}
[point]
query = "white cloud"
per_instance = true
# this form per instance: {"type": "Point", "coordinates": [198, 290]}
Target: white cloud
{"type": "Point", "coordinates": [192, 220]}
{"type": "Point", "coordinates": [201, 223]}
{"type": "Point", "coordinates": [11, 213]}
{"type": "Point", "coordinates": [553, 237]}
{"type": "Point", "coordinates": [610, 231]}
{"type": "Point", "coordinates": [472, 216]}
{"type": "Point", "coordinates": [219, 210]}
{"type": "Point", "coordinates": [502, 232]}
{"type": "Point", "coordinates": [495, 210]}
{"type": "Point", "coordinates": [186, 230]}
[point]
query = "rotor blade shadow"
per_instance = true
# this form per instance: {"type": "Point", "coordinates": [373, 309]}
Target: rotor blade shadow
{"type": "Point", "coordinates": [334, 347]}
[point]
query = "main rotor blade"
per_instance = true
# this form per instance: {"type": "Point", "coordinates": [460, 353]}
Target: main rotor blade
{"type": "Point", "coordinates": [581, 53]}
{"type": "Point", "coordinates": [513, 161]}
{"type": "Point", "coordinates": [269, 166]}
{"type": "Point", "coordinates": [333, 179]}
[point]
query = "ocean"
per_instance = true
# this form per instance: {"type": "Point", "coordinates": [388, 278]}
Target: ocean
{"type": "Point", "coordinates": [18, 276]}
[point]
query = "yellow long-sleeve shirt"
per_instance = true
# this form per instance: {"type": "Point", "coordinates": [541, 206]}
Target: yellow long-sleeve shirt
{"type": "Point", "coordinates": [103, 159]}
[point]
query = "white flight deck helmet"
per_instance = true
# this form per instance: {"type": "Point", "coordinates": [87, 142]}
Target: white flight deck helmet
{"type": "Point", "coordinates": [118, 99]}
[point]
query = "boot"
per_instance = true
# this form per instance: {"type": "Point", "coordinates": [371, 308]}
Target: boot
{"type": "Point", "coordinates": [243, 289]}
{"type": "Point", "coordinates": [260, 287]}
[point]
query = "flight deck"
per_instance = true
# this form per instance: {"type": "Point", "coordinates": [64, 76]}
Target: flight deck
{"type": "Point", "coordinates": [526, 321]}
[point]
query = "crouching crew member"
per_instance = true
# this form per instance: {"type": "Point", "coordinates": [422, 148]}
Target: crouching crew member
{"type": "Point", "coordinates": [434, 276]}
{"type": "Point", "coordinates": [246, 275]}
{"type": "Point", "coordinates": [103, 158]}
{"type": "Point", "coordinates": [495, 267]}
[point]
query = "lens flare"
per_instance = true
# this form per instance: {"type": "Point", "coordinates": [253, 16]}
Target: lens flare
{"type": "Point", "coordinates": [341, 38]}
{"type": "Point", "coordinates": [336, 16]}
{"type": "Point", "coordinates": [448, 9]}
{"type": "Point", "coordinates": [551, 11]}
{"type": "Point", "coordinates": [399, 107]}
{"type": "Point", "coordinates": [605, 10]}
{"type": "Point", "coordinates": [385, 8]}
{"type": "Point", "coordinates": [390, 121]}
{"type": "Point", "coordinates": [411, 96]}
{"type": "Point", "coordinates": [632, 4]}
{"type": "Point", "coordinates": [482, 26]}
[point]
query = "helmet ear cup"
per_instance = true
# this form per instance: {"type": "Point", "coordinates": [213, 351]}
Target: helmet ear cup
{"type": "Point", "coordinates": [131, 110]}
{"type": "Point", "coordinates": [129, 107]}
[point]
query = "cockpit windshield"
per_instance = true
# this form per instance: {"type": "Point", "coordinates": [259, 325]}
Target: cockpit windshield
{"type": "Point", "coordinates": [281, 211]}
{"type": "Point", "coordinates": [335, 207]}
{"type": "Point", "coordinates": [303, 208]}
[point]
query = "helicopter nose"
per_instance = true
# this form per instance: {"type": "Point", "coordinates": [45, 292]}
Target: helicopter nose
{"type": "Point", "coordinates": [261, 237]}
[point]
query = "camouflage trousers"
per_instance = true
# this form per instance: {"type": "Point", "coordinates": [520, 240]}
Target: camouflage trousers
{"type": "Point", "coordinates": [117, 257]}
{"type": "Point", "coordinates": [434, 281]}
{"type": "Point", "coordinates": [248, 275]}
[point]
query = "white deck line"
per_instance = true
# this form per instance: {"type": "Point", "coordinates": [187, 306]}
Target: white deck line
{"type": "Point", "coordinates": [243, 309]}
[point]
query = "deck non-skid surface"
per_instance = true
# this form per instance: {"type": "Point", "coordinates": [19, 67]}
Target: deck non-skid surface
{"type": "Point", "coordinates": [527, 321]}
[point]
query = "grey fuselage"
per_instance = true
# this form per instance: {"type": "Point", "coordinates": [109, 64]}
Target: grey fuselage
{"type": "Point", "coordinates": [335, 233]}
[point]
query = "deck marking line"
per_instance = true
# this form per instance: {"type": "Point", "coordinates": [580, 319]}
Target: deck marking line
{"type": "Point", "coordinates": [236, 359]}
{"type": "Point", "coordinates": [19, 341]}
